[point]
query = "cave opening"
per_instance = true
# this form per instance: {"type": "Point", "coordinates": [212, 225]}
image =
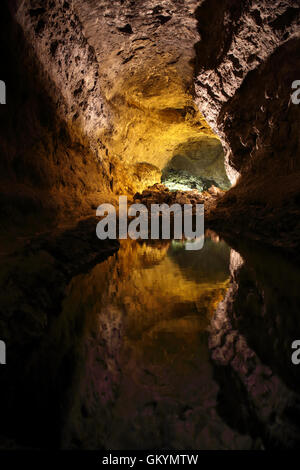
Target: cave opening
{"type": "Point", "coordinates": [159, 134]}
{"type": "Point", "coordinates": [197, 164]}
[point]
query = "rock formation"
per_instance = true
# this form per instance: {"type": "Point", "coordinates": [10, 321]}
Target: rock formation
{"type": "Point", "coordinates": [101, 97]}
{"type": "Point", "coordinates": [245, 69]}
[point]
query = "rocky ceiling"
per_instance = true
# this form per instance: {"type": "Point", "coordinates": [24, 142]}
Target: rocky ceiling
{"type": "Point", "coordinates": [145, 51]}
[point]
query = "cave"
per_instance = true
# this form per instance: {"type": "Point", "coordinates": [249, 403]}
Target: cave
{"type": "Point", "coordinates": [137, 344]}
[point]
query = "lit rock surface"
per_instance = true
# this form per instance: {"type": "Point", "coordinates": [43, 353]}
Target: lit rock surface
{"type": "Point", "coordinates": [117, 80]}
{"type": "Point", "coordinates": [245, 69]}
{"type": "Point", "coordinates": [145, 51]}
{"type": "Point", "coordinates": [123, 86]}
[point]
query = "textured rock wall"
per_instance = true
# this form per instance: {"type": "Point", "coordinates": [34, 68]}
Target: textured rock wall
{"type": "Point", "coordinates": [202, 158]}
{"type": "Point", "coordinates": [48, 168]}
{"type": "Point", "coordinates": [147, 60]}
{"type": "Point", "coordinates": [239, 49]}
{"type": "Point", "coordinates": [246, 65]}
{"type": "Point", "coordinates": [54, 31]}
{"type": "Point", "coordinates": [115, 102]}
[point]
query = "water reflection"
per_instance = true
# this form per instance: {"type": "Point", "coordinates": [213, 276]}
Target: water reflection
{"type": "Point", "coordinates": [155, 347]}
{"type": "Point", "coordinates": [251, 336]}
{"type": "Point", "coordinates": [149, 361]}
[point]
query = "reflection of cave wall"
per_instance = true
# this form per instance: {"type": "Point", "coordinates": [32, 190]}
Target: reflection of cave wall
{"type": "Point", "coordinates": [263, 297]}
{"type": "Point", "coordinates": [141, 330]}
{"type": "Point", "coordinates": [73, 344]}
{"type": "Point", "coordinates": [210, 264]}
{"type": "Point", "coordinates": [45, 336]}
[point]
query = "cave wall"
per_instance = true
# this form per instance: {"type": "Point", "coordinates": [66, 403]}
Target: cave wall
{"type": "Point", "coordinates": [49, 170]}
{"type": "Point", "coordinates": [147, 60]}
{"type": "Point", "coordinates": [246, 65]}
{"type": "Point", "coordinates": [238, 49]}
{"type": "Point", "coordinates": [100, 96]}
{"type": "Point", "coordinates": [54, 31]}
{"type": "Point", "coordinates": [202, 158]}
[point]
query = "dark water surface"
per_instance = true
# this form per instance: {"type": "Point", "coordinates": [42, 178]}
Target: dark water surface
{"type": "Point", "coordinates": [144, 356]}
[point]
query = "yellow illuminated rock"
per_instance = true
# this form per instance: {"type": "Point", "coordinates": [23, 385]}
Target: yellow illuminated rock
{"type": "Point", "coordinates": [153, 114]}
{"type": "Point", "coordinates": [147, 64]}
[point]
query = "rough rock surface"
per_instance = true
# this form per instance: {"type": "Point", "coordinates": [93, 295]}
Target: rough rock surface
{"type": "Point", "coordinates": [245, 36]}
{"type": "Point", "coordinates": [48, 169]}
{"type": "Point", "coordinates": [68, 61]}
{"type": "Point", "coordinates": [146, 54]}
{"type": "Point", "coordinates": [160, 194]}
{"type": "Point", "coordinates": [201, 158]}
{"type": "Point", "coordinates": [118, 82]}
{"type": "Point", "coordinates": [115, 93]}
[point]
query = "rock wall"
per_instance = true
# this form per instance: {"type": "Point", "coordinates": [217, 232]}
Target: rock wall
{"type": "Point", "coordinates": [54, 31]}
{"type": "Point", "coordinates": [100, 96]}
{"type": "Point", "coordinates": [49, 170]}
{"type": "Point", "coordinates": [147, 58]}
{"type": "Point", "coordinates": [246, 64]}
{"type": "Point", "coordinates": [264, 384]}
{"type": "Point", "coordinates": [103, 96]}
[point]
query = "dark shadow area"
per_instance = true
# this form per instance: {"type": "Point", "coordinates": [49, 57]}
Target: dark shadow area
{"type": "Point", "coordinates": [217, 23]}
{"type": "Point", "coordinates": [43, 344]}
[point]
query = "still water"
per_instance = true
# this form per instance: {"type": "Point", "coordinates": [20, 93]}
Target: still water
{"type": "Point", "coordinates": [156, 347]}
{"type": "Point", "coordinates": [148, 380]}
